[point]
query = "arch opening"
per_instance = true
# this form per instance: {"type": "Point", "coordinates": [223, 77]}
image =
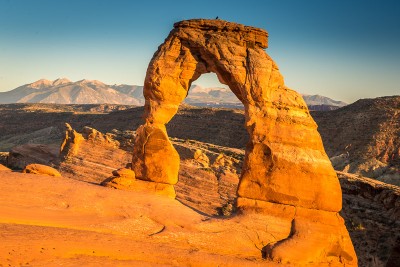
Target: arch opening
{"type": "Point", "coordinates": [211, 147]}
{"type": "Point", "coordinates": [208, 91]}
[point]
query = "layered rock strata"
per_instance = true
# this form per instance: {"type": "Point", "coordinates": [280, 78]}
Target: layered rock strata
{"type": "Point", "coordinates": [285, 168]}
{"type": "Point", "coordinates": [91, 155]}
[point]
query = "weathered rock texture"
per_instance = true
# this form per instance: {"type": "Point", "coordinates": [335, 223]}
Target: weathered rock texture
{"type": "Point", "coordinates": [286, 169]}
{"type": "Point", "coordinates": [70, 144]}
{"type": "Point", "coordinates": [154, 157]}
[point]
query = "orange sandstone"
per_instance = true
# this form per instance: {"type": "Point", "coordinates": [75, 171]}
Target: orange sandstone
{"type": "Point", "coordinates": [41, 169]}
{"type": "Point", "coordinates": [125, 179]}
{"type": "Point", "coordinates": [70, 144]}
{"type": "Point", "coordinates": [4, 168]}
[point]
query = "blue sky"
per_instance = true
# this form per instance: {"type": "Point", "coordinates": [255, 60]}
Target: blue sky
{"type": "Point", "coordinates": [342, 49]}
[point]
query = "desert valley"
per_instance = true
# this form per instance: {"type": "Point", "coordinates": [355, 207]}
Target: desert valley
{"type": "Point", "coordinates": [176, 174]}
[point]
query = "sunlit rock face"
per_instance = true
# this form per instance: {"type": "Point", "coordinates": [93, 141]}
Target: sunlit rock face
{"type": "Point", "coordinates": [286, 170]}
{"type": "Point", "coordinates": [70, 144]}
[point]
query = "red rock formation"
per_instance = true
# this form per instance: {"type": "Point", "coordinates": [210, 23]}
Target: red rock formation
{"type": "Point", "coordinates": [154, 157]}
{"type": "Point", "coordinates": [90, 156]}
{"type": "Point", "coordinates": [285, 169]}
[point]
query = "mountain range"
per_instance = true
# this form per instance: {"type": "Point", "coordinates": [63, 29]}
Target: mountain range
{"type": "Point", "coordinates": [64, 91]}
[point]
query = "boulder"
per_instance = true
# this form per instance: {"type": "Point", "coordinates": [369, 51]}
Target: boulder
{"type": "Point", "coordinates": [201, 158]}
{"type": "Point", "coordinates": [224, 163]}
{"type": "Point", "coordinates": [41, 169]}
{"type": "Point", "coordinates": [89, 156]}
{"type": "Point", "coordinates": [124, 172]}
{"type": "Point", "coordinates": [4, 157]}
{"type": "Point", "coordinates": [124, 179]}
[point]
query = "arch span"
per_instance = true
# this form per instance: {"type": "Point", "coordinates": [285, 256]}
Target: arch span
{"type": "Point", "coordinates": [286, 171]}
{"type": "Point", "coordinates": [285, 159]}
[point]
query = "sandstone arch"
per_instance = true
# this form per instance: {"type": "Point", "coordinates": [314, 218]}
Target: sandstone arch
{"type": "Point", "coordinates": [286, 170]}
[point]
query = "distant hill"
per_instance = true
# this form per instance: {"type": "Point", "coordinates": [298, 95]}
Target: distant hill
{"type": "Point", "coordinates": [364, 137]}
{"type": "Point", "coordinates": [318, 100]}
{"type": "Point", "coordinates": [222, 97]}
{"type": "Point", "coordinates": [212, 97]}
{"type": "Point", "coordinates": [64, 91]}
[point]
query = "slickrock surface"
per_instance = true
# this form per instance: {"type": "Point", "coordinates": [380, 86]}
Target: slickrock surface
{"type": "Point", "coordinates": [62, 221]}
{"type": "Point", "coordinates": [65, 222]}
{"type": "Point", "coordinates": [4, 168]}
{"type": "Point", "coordinates": [285, 170]}
{"type": "Point", "coordinates": [212, 191]}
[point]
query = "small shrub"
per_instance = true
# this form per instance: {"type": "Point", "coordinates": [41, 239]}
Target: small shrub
{"type": "Point", "coordinates": [227, 210]}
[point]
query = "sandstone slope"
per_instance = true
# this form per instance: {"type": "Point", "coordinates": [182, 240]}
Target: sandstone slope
{"type": "Point", "coordinates": [60, 221]}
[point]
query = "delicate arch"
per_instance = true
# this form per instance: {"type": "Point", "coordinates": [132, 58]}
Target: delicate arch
{"type": "Point", "coordinates": [285, 159]}
{"type": "Point", "coordinates": [286, 171]}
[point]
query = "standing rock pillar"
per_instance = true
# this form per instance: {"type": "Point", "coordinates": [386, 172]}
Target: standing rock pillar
{"type": "Point", "coordinates": [154, 157]}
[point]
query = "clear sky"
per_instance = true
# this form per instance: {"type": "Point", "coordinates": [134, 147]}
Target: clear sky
{"type": "Point", "coordinates": [338, 48]}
